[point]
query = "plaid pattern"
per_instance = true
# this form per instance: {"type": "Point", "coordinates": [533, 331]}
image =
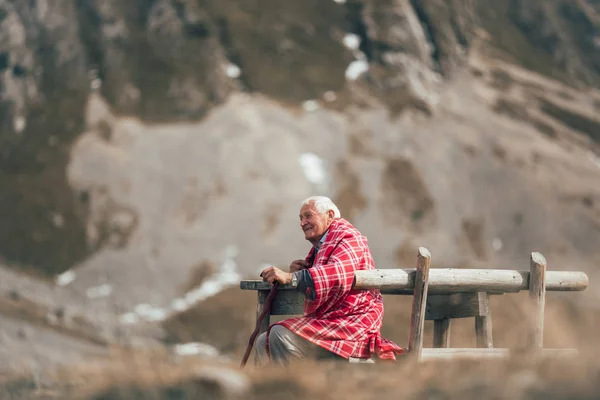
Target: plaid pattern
{"type": "Point", "coordinates": [344, 321]}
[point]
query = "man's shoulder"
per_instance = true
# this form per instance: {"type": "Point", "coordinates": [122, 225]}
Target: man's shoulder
{"type": "Point", "coordinates": [349, 244]}
{"type": "Point", "coordinates": [345, 234]}
{"type": "Point", "coordinates": [344, 227]}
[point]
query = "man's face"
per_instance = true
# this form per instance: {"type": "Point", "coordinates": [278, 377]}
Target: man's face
{"type": "Point", "coordinates": [314, 224]}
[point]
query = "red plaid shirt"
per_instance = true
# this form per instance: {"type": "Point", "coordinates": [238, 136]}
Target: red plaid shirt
{"type": "Point", "coordinates": [344, 321]}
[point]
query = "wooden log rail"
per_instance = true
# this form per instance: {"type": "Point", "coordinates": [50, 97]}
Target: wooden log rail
{"type": "Point", "coordinates": [448, 281]}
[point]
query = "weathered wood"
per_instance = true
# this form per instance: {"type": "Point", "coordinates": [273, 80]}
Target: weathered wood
{"type": "Point", "coordinates": [457, 305]}
{"type": "Point", "coordinates": [462, 353]}
{"type": "Point", "coordinates": [262, 297]}
{"type": "Point", "coordinates": [446, 281]}
{"type": "Point", "coordinates": [478, 354]}
{"type": "Point", "coordinates": [483, 332]}
{"type": "Point", "coordinates": [253, 284]}
{"type": "Point", "coordinates": [483, 323]}
{"type": "Point", "coordinates": [417, 319]}
{"type": "Point", "coordinates": [260, 285]}
{"type": "Point", "coordinates": [537, 296]}
{"type": "Point", "coordinates": [441, 333]}
{"type": "Point", "coordinates": [288, 303]}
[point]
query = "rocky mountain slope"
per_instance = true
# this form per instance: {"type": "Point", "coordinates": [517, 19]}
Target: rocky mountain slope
{"type": "Point", "coordinates": [153, 152]}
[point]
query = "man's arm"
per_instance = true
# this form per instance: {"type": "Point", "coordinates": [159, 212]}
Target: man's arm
{"type": "Point", "coordinates": [305, 284]}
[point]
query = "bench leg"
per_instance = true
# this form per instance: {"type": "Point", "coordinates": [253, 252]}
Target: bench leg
{"type": "Point", "coordinates": [262, 298]}
{"type": "Point", "coordinates": [417, 317]}
{"type": "Point", "coordinates": [441, 333]}
{"type": "Point", "coordinates": [537, 296]}
{"type": "Point", "coordinates": [483, 323]}
{"type": "Point", "coordinates": [483, 329]}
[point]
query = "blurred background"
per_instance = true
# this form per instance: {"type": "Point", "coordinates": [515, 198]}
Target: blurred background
{"type": "Point", "coordinates": [153, 153]}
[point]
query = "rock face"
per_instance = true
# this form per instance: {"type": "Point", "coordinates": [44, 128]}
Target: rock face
{"type": "Point", "coordinates": [575, 51]}
{"type": "Point", "coordinates": [44, 89]}
{"type": "Point", "coordinates": [144, 143]}
{"type": "Point", "coordinates": [557, 38]}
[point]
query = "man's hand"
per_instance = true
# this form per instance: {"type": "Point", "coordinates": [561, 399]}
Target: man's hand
{"type": "Point", "coordinates": [298, 265]}
{"type": "Point", "coordinates": [274, 274]}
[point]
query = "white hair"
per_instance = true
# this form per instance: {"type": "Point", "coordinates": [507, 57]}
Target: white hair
{"type": "Point", "coordinates": [322, 204]}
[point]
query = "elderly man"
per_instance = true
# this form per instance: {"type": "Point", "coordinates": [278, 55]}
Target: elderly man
{"type": "Point", "coordinates": [338, 322]}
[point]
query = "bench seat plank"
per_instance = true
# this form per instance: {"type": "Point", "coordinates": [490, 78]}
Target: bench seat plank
{"type": "Point", "coordinates": [483, 353]}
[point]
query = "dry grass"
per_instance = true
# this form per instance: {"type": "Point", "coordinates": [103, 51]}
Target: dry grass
{"type": "Point", "coordinates": [441, 380]}
{"type": "Point", "coordinates": [136, 374]}
{"type": "Point", "coordinates": [126, 375]}
{"type": "Point", "coordinates": [144, 376]}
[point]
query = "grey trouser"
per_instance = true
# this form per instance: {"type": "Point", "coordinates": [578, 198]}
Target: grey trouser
{"type": "Point", "coordinates": [285, 346]}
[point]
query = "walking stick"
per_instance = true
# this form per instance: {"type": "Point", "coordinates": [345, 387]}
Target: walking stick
{"type": "Point", "coordinates": [266, 310]}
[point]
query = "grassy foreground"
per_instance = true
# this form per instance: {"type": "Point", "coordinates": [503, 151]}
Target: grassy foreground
{"type": "Point", "coordinates": [148, 376]}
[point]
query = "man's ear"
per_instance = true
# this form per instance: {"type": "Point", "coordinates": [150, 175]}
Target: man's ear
{"type": "Point", "coordinates": [331, 213]}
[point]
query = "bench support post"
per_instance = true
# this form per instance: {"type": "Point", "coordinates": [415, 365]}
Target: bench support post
{"type": "Point", "coordinates": [483, 323]}
{"type": "Point", "coordinates": [537, 296]}
{"type": "Point", "coordinates": [262, 299]}
{"type": "Point", "coordinates": [441, 333]}
{"type": "Point", "coordinates": [417, 318]}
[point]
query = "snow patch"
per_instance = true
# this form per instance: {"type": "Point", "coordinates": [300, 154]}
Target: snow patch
{"type": "Point", "coordinates": [360, 65]}
{"type": "Point", "coordinates": [65, 278]}
{"type": "Point", "coordinates": [356, 68]}
{"type": "Point", "coordinates": [352, 41]}
{"type": "Point", "coordinates": [179, 305]}
{"type": "Point", "coordinates": [310, 105]}
{"type": "Point", "coordinates": [149, 313]}
{"type": "Point", "coordinates": [314, 168]}
{"type": "Point", "coordinates": [196, 349]}
{"type": "Point", "coordinates": [96, 292]}
{"type": "Point", "coordinates": [19, 123]}
{"type": "Point", "coordinates": [233, 71]}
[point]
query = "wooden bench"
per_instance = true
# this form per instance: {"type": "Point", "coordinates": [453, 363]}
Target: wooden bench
{"type": "Point", "coordinates": [445, 294]}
